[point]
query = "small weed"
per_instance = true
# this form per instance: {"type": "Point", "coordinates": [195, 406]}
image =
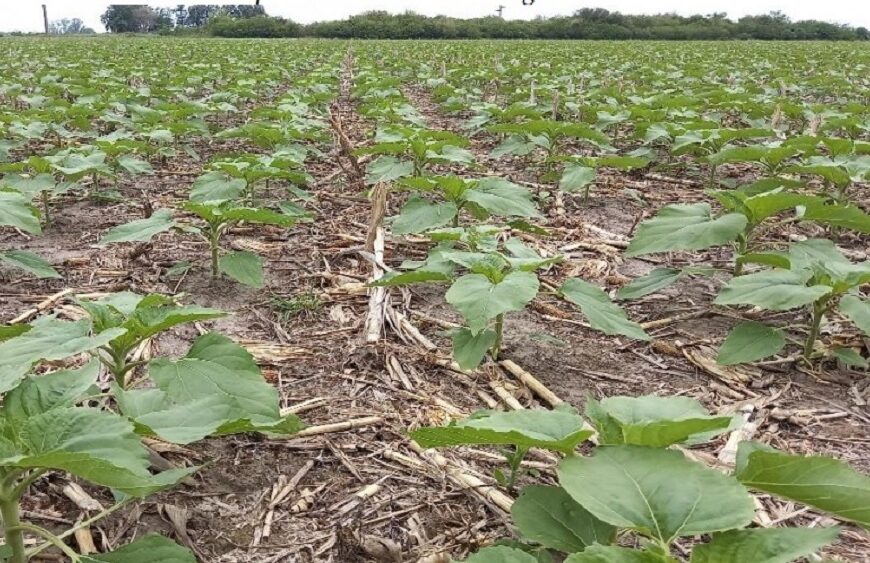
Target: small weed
{"type": "Point", "coordinates": [302, 304]}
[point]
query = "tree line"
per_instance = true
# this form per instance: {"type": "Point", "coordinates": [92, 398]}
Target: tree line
{"type": "Point", "coordinates": [588, 23]}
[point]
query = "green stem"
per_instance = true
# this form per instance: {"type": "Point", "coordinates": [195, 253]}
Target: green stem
{"type": "Point", "coordinates": [213, 242]}
{"type": "Point", "coordinates": [499, 330]}
{"type": "Point", "coordinates": [51, 538]}
{"type": "Point", "coordinates": [45, 207]}
{"type": "Point", "coordinates": [12, 529]}
{"type": "Point", "coordinates": [742, 246]}
{"type": "Point", "coordinates": [819, 309]}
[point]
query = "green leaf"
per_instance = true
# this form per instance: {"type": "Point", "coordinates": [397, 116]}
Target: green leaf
{"type": "Point", "coordinates": [29, 186]}
{"type": "Point", "coordinates": [142, 230]}
{"type": "Point", "coordinates": [658, 493]}
{"type": "Point", "coordinates": [775, 290]}
{"type": "Point", "coordinates": [29, 262]}
{"type": "Point", "coordinates": [151, 548]}
{"type": "Point", "coordinates": [388, 169]}
{"type": "Point", "coordinates": [503, 198]}
{"type": "Point", "coordinates": [602, 313]}
{"type": "Point", "coordinates": [850, 357]}
{"type": "Point", "coordinates": [554, 430]}
{"type": "Point", "coordinates": [515, 145]}
{"type": "Point", "coordinates": [469, 349]}
{"type": "Point", "coordinates": [479, 300]}
{"type": "Point", "coordinates": [858, 311]}
{"type": "Point", "coordinates": [259, 215]}
{"type": "Point", "coordinates": [420, 215]}
{"type": "Point", "coordinates": [97, 446]}
{"type": "Point", "coordinates": [653, 421]}
{"type": "Point", "coordinates": [16, 211]}
{"type": "Point", "coordinates": [750, 341]}
{"type": "Point", "coordinates": [685, 227]}
{"type": "Point", "coordinates": [49, 339]}
{"type": "Point", "coordinates": [771, 545]}
{"type": "Point", "coordinates": [134, 165]}
{"type": "Point", "coordinates": [550, 517]}
{"type": "Point", "coordinates": [500, 554]}
{"type": "Point", "coordinates": [40, 393]}
{"type": "Point", "coordinates": [657, 279]}
{"type": "Point", "coordinates": [216, 187]}
{"type": "Point", "coordinates": [846, 216]}
{"type": "Point", "coordinates": [576, 177]}
{"type": "Point", "coordinates": [244, 267]}
{"type": "Point", "coordinates": [613, 554]}
{"type": "Point", "coordinates": [215, 389]}
{"type": "Point", "coordinates": [824, 483]}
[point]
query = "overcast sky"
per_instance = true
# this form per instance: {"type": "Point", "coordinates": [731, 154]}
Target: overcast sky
{"type": "Point", "coordinates": [26, 15]}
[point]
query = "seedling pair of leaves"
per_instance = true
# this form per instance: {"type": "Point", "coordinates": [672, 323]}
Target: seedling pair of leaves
{"type": "Point", "coordinates": [813, 274]}
{"type": "Point", "coordinates": [695, 227]}
{"type": "Point", "coordinates": [480, 197]}
{"type": "Point", "coordinates": [408, 151]}
{"type": "Point", "coordinates": [212, 200]}
{"type": "Point", "coordinates": [549, 135]}
{"type": "Point", "coordinates": [633, 482]}
{"type": "Point", "coordinates": [252, 169]}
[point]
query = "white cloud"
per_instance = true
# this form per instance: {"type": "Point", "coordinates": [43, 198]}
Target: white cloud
{"type": "Point", "coordinates": [26, 15]}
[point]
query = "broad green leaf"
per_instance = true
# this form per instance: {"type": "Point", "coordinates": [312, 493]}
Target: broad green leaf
{"type": "Point", "coordinates": [479, 300]}
{"type": "Point", "coordinates": [576, 177]}
{"type": "Point", "coordinates": [613, 554]}
{"type": "Point", "coordinates": [135, 165]}
{"type": "Point", "coordinates": [97, 446]}
{"type": "Point", "coordinates": [29, 186]}
{"type": "Point", "coordinates": [469, 349]}
{"type": "Point", "coordinates": [554, 430]}
{"type": "Point", "coordinates": [17, 211]}
{"type": "Point", "coordinates": [775, 290]}
{"type": "Point", "coordinates": [141, 230]}
{"type": "Point", "coordinates": [657, 279]}
{"type": "Point", "coordinates": [653, 421]}
{"type": "Point", "coordinates": [837, 215]}
{"type": "Point", "coordinates": [516, 145]}
{"type": "Point", "coordinates": [244, 267]}
{"type": "Point", "coordinates": [29, 262]}
{"type": "Point", "coordinates": [685, 227]}
{"type": "Point", "coordinates": [216, 389]}
{"type": "Point", "coordinates": [500, 554]}
{"type": "Point", "coordinates": [850, 357]}
{"type": "Point", "coordinates": [216, 187]}
{"type": "Point", "coordinates": [49, 339]}
{"type": "Point", "coordinates": [260, 216]}
{"type": "Point", "coordinates": [602, 313]}
{"type": "Point", "coordinates": [748, 342]}
{"type": "Point", "coordinates": [763, 545]}
{"type": "Point", "coordinates": [824, 483]}
{"type": "Point", "coordinates": [503, 198]}
{"type": "Point", "coordinates": [388, 169]}
{"type": "Point", "coordinates": [858, 311]}
{"type": "Point", "coordinates": [40, 393]}
{"type": "Point", "coordinates": [151, 548]}
{"type": "Point", "coordinates": [420, 215]}
{"type": "Point", "coordinates": [658, 493]}
{"type": "Point", "coordinates": [550, 517]}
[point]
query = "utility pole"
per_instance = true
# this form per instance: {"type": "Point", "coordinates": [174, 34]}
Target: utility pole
{"type": "Point", "coordinates": [500, 9]}
{"type": "Point", "coordinates": [45, 18]}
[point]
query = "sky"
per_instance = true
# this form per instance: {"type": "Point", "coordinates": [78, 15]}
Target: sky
{"type": "Point", "coordinates": [26, 15]}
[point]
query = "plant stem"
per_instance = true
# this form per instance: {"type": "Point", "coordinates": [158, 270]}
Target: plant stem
{"type": "Point", "coordinates": [45, 208]}
{"type": "Point", "coordinates": [213, 244]}
{"type": "Point", "coordinates": [820, 307]}
{"type": "Point", "coordinates": [499, 330]}
{"type": "Point", "coordinates": [741, 250]}
{"type": "Point", "coordinates": [51, 538]}
{"type": "Point", "coordinates": [12, 529]}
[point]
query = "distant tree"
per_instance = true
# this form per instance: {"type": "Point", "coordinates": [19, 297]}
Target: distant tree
{"type": "Point", "coordinates": [68, 26]}
{"type": "Point", "coordinates": [132, 18]}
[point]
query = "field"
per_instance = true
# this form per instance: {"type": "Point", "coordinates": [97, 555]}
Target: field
{"type": "Point", "coordinates": [248, 284]}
